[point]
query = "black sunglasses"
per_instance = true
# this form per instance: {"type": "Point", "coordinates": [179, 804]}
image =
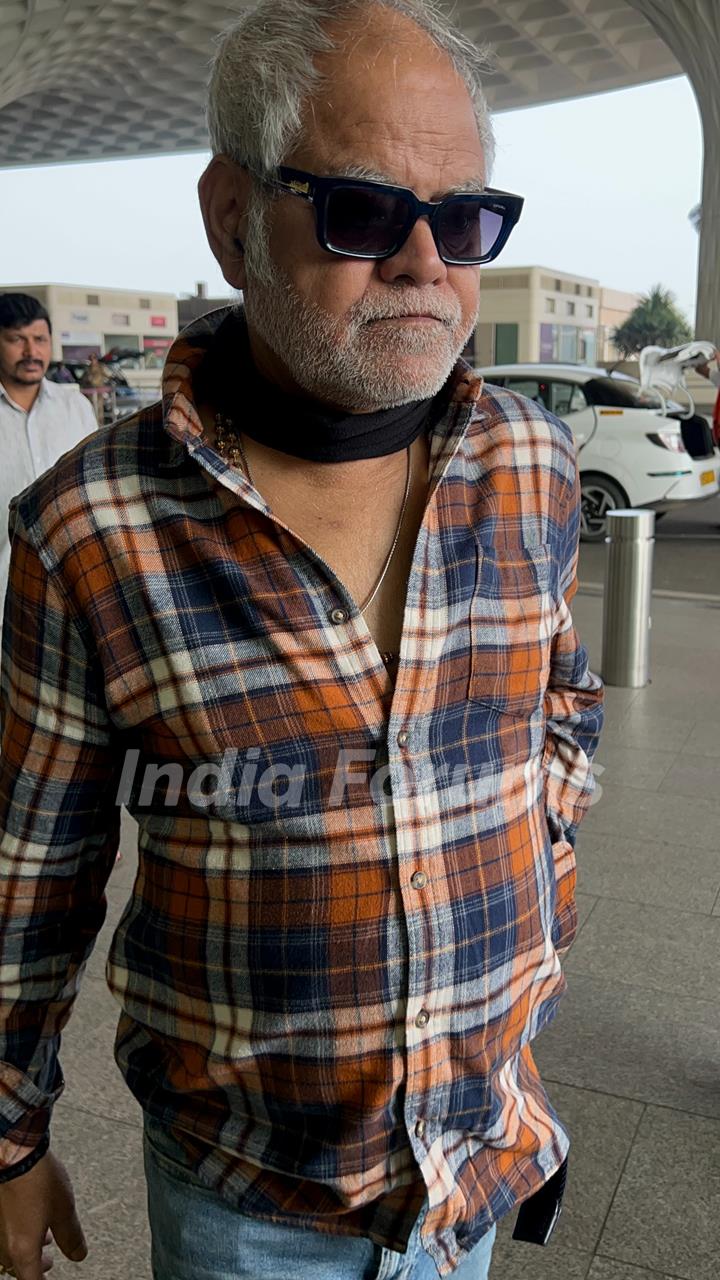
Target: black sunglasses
{"type": "Point", "coordinates": [362, 219]}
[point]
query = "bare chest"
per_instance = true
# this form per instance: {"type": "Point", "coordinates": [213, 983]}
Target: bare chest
{"type": "Point", "coordinates": [357, 545]}
{"type": "Point", "coordinates": [365, 533]}
{"type": "Point", "coordinates": [367, 539]}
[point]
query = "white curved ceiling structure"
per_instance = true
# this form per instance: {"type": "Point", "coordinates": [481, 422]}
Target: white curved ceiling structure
{"type": "Point", "coordinates": [90, 80]}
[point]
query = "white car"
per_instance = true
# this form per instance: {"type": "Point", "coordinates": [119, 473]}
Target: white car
{"type": "Point", "coordinates": [631, 454]}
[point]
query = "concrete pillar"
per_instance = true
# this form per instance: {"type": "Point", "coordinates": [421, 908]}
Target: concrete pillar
{"type": "Point", "coordinates": [692, 30]}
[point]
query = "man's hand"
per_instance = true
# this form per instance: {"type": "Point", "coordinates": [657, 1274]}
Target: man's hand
{"type": "Point", "coordinates": [704, 368]}
{"type": "Point", "coordinates": [36, 1208]}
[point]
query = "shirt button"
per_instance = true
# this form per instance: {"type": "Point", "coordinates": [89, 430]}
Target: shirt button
{"type": "Point", "coordinates": [422, 1019]}
{"type": "Point", "coordinates": [420, 1128]}
{"type": "Point", "coordinates": [418, 880]}
{"type": "Point", "coordinates": [338, 616]}
{"type": "Point", "coordinates": [403, 738]}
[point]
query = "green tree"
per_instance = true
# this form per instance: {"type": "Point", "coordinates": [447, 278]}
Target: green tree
{"type": "Point", "coordinates": [655, 322]}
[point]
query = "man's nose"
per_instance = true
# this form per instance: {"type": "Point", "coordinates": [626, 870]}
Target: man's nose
{"type": "Point", "coordinates": [418, 261]}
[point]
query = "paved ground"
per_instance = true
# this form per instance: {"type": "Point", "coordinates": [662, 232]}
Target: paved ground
{"type": "Point", "coordinates": [687, 551]}
{"type": "Point", "coordinates": [633, 1059]}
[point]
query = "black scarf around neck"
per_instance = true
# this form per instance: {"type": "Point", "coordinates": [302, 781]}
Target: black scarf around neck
{"type": "Point", "coordinates": [228, 380]}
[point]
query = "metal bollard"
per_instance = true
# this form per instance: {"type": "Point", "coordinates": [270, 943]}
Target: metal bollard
{"type": "Point", "coordinates": [628, 592]}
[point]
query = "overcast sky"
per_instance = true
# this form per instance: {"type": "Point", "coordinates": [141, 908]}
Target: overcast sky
{"type": "Point", "coordinates": [609, 181]}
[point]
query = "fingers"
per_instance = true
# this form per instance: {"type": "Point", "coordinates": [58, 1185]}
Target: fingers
{"type": "Point", "coordinates": [28, 1266]}
{"type": "Point", "coordinates": [33, 1266]}
{"type": "Point", "coordinates": [70, 1239]}
{"type": "Point", "coordinates": [64, 1221]}
{"type": "Point", "coordinates": [35, 1209]}
{"type": "Point", "coordinates": [47, 1260]}
{"type": "Point", "coordinates": [35, 1271]}
{"type": "Point", "coordinates": [32, 1263]}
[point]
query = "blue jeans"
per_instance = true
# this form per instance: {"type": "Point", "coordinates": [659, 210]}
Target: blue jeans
{"type": "Point", "coordinates": [198, 1236]}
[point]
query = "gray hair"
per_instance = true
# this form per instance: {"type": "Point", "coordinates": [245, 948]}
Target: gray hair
{"type": "Point", "coordinates": [264, 70]}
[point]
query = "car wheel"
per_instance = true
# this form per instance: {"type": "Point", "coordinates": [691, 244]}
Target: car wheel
{"type": "Point", "coordinates": [600, 495]}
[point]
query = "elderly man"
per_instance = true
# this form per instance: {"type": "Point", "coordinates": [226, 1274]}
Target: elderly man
{"type": "Point", "coordinates": [309, 619]}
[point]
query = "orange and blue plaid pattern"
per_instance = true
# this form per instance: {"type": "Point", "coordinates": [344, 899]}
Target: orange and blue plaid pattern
{"type": "Point", "coordinates": [328, 989]}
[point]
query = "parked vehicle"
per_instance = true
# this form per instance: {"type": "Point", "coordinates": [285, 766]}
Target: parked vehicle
{"type": "Point", "coordinates": [635, 449]}
{"type": "Point", "coordinates": [121, 399]}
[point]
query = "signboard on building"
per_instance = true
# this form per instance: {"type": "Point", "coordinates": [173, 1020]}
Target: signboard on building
{"type": "Point", "coordinates": [80, 338]}
{"type": "Point", "coordinates": [119, 317]}
{"type": "Point", "coordinates": [122, 341]}
{"type": "Point", "coordinates": [158, 322]}
{"type": "Point", "coordinates": [80, 317]}
{"type": "Point", "coordinates": [80, 352]}
{"type": "Point", "coordinates": [156, 350]}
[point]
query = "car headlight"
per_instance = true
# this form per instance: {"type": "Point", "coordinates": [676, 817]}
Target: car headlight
{"type": "Point", "coordinates": [671, 440]}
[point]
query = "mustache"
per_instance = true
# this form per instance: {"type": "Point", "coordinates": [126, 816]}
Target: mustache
{"type": "Point", "coordinates": [411, 302]}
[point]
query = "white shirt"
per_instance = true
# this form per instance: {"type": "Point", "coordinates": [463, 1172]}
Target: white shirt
{"type": "Point", "coordinates": [31, 443]}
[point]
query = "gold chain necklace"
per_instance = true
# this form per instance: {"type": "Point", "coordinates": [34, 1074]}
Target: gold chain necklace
{"type": "Point", "coordinates": [229, 444]}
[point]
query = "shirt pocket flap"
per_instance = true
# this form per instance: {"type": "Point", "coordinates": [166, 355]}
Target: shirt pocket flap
{"type": "Point", "coordinates": [511, 626]}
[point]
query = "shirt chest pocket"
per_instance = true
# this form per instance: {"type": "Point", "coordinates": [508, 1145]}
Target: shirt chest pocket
{"type": "Point", "coordinates": [511, 627]}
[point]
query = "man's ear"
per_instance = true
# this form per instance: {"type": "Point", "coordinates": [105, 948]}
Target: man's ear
{"type": "Point", "coordinates": [224, 191]}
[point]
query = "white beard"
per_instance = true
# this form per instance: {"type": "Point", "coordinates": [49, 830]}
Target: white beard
{"type": "Point", "coordinates": [349, 361]}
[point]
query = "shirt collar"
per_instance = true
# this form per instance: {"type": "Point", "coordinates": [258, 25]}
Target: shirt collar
{"type": "Point", "coordinates": [47, 389]}
{"type": "Point", "coordinates": [180, 414]}
{"type": "Point", "coordinates": [181, 417]}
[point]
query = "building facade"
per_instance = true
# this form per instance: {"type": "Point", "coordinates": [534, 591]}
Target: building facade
{"type": "Point", "coordinates": [536, 313]}
{"type": "Point", "coordinates": [542, 314]}
{"type": "Point", "coordinates": [88, 320]}
{"type": "Point", "coordinates": [615, 307]}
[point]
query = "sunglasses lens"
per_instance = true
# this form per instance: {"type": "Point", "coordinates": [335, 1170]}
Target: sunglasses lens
{"type": "Point", "coordinates": [466, 231]}
{"type": "Point", "coordinates": [362, 221]}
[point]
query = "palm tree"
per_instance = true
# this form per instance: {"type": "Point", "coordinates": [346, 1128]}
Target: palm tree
{"type": "Point", "coordinates": [656, 321]}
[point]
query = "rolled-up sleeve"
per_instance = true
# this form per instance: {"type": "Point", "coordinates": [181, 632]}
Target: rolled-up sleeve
{"type": "Point", "coordinates": [59, 831]}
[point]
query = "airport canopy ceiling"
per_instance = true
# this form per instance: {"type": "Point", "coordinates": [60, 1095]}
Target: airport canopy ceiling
{"type": "Point", "coordinates": [86, 80]}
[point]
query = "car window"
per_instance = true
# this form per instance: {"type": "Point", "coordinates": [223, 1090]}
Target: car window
{"type": "Point", "coordinates": [578, 400]}
{"type": "Point", "coordinates": [530, 387]}
{"type": "Point", "coordinates": [619, 393]}
{"type": "Point", "coordinates": [560, 394]}
{"type": "Point", "coordinates": [566, 397]}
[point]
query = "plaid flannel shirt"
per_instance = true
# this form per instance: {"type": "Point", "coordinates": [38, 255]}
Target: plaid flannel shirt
{"type": "Point", "coordinates": [328, 986]}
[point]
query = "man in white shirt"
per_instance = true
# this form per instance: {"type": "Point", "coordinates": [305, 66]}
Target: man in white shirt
{"type": "Point", "coordinates": [39, 420]}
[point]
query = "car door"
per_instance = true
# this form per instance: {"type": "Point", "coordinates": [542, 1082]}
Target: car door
{"type": "Point", "coordinates": [529, 386]}
{"type": "Point", "coordinates": [568, 401]}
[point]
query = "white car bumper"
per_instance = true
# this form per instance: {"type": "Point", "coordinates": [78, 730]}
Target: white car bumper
{"type": "Point", "coordinates": [691, 481]}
